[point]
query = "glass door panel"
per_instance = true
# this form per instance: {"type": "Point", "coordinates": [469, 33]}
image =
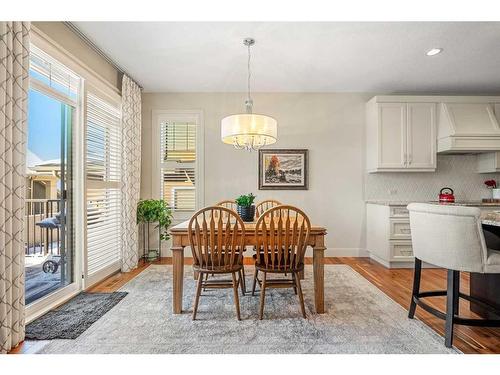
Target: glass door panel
{"type": "Point", "coordinates": [49, 251]}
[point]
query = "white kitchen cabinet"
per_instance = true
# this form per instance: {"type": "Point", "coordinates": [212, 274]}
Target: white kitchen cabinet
{"type": "Point", "coordinates": [421, 146]}
{"type": "Point", "coordinates": [401, 137]}
{"type": "Point", "coordinates": [388, 237]}
{"type": "Point", "coordinates": [488, 162]}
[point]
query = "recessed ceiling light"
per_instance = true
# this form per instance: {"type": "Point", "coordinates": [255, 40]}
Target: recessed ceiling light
{"type": "Point", "coordinates": [434, 51]}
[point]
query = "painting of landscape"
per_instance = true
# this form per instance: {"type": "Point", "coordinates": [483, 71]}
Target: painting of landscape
{"type": "Point", "coordinates": [283, 169]}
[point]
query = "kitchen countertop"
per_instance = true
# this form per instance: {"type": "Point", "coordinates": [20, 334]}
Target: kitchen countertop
{"type": "Point", "coordinates": [491, 218]}
{"type": "Point", "coordinates": [458, 203]}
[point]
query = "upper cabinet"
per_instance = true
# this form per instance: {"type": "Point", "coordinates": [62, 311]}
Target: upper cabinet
{"type": "Point", "coordinates": [400, 136]}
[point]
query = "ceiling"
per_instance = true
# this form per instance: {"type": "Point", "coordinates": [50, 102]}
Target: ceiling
{"type": "Point", "coordinates": [378, 57]}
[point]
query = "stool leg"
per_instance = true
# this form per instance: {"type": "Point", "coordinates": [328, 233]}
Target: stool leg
{"type": "Point", "coordinates": [416, 287]}
{"type": "Point", "coordinates": [456, 277]}
{"type": "Point", "coordinates": [451, 302]}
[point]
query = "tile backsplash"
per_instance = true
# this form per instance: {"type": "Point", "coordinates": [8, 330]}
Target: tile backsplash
{"type": "Point", "coordinates": [455, 171]}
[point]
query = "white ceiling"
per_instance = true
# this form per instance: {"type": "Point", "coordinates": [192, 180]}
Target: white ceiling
{"type": "Point", "coordinates": [379, 57]}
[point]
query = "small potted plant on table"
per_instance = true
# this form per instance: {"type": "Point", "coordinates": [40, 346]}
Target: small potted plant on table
{"type": "Point", "coordinates": [246, 208]}
{"type": "Point", "coordinates": [153, 211]}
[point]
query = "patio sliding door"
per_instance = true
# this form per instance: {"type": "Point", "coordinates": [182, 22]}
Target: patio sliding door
{"type": "Point", "coordinates": [52, 115]}
{"type": "Point", "coordinates": [103, 186]}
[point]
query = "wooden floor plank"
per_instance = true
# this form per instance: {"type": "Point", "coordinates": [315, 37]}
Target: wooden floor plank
{"type": "Point", "coordinates": [396, 283]}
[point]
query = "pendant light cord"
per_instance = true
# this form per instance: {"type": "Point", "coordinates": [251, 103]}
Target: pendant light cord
{"type": "Point", "coordinates": [249, 75]}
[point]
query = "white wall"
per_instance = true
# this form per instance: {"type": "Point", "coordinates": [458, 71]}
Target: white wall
{"type": "Point", "coordinates": [331, 126]}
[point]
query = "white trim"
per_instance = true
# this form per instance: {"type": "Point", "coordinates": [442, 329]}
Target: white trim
{"type": "Point", "coordinates": [49, 91]}
{"type": "Point", "coordinates": [79, 206]}
{"type": "Point", "coordinates": [44, 304]}
{"type": "Point", "coordinates": [341, 252]}
{"type": "Point", "coordinates": [55, 50]}
{"type": "Point", "coordinates": [434, 99]}
{"type": "Point", "coordinates": [156, 118]}
{"type": "Point", "coordinates": [102, 274]}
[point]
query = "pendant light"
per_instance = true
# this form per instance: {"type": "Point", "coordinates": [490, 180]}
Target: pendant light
{"type": "Point", "coordinates": [249, 131]}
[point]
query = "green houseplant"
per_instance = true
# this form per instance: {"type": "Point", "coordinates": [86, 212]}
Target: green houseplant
{"type": "Point", "coordinates": [246, 208]}
{"type": "Point", "coordinates": [154, 211]}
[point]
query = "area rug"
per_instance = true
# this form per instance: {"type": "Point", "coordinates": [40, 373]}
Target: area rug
{"type": "Point", "coordinates": [71, 319]}
{"type": "Point", "coordinates": [359, 319]}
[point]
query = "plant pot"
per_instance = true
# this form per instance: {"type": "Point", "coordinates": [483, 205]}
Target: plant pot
{"type": "Point", "coordinates": [247, 213]}
{"type": "Point", "coordinates": [152, 255]}
{"type": "Point", "coordinates": [495, 193]}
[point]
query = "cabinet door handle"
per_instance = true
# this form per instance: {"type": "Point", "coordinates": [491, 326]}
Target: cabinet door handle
{"type": "Point", "coordinates": [410, 158]}
{"type": "Point", "coordinates": [405, 158]}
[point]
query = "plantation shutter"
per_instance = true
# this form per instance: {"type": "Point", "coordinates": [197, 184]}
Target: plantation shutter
{"type": "Point", "coordinates": [103, 161]}
{"type": "Point", "coordinates": [178, 164]}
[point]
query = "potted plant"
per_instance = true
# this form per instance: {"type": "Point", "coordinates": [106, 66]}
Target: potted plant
{"type": "Point", "coordinates": [495, 192]}
{"type": "Point", "coordinates": [246, 208]}
{"type": "Point", "coordinates": [154, 211]}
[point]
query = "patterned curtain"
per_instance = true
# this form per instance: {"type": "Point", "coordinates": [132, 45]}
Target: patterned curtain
{"type": "Point", "coordinates": [14, 86]}
{"type": "Point", "coordinates": [131, 171]}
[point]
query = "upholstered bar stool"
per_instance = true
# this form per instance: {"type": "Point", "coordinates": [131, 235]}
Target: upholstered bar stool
{"type": "Point", "coordinates": [450, 237]}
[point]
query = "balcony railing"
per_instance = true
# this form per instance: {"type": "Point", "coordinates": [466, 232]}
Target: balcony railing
{"type": "Point", "coordinates": [42, 237]}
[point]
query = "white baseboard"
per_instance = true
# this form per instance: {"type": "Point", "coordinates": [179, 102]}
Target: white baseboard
{"type": "Point", "coordinates": [330, 252]}
{"type": "Point", "coordinates": [344, 252]}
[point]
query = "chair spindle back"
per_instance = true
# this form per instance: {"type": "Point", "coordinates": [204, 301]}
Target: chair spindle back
{"type": "Point", "coordinates": [228, 204]}
{"type": "Point", "coordinates": [264, 206]}
{"type": "Point", "coordinates": [285, 233]}
{"type": "Point", "coordinates": [216, 236]}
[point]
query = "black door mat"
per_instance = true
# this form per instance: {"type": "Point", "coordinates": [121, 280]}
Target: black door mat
{"type": "Point", "coordinates": [71, 319]}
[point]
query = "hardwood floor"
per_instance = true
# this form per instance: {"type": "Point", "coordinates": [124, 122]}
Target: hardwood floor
{"type": "Point", "coordinates": [396, 283]}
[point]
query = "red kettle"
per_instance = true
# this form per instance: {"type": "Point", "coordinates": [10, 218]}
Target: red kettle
{"type": "Point", "coordinates": [446, 195]}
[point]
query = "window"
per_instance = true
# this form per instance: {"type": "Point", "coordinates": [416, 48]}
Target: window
{"type": "Point", "coordinates": [178, 160]}
{"type": "Point", "coordinates": [47, 72]}
{"type": "Point", "coordinates": [103, 159]}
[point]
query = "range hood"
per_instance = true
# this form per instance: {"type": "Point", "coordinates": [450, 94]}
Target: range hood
{"type": "Point", "coordinates": [468, 127]}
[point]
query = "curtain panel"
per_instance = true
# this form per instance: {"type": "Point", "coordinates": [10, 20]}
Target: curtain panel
{"type": "Point", "coordinates": [14, 86]}
{"type": "Point", "coordinates": [131, 171]}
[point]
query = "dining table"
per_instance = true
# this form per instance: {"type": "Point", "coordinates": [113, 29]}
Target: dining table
{"type": "Point", "coordinates": [180, 240]}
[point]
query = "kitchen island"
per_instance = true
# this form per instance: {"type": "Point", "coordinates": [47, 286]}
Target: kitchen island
{"type": "Point", "coordinates": [486, 287]}
{"type": "Point", "coordinates": [388, 234]}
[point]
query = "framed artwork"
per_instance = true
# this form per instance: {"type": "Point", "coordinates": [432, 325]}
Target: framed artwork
{"type": "Point", "coordinates": [283, 169]}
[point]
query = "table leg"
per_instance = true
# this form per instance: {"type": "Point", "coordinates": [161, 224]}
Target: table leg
{"type": "Point", "coordinates": [178, 277]}
{"type": "Point", "coordinates": [319, 278]}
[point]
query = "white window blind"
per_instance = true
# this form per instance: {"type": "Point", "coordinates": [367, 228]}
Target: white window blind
{"type": "Point", "coordinates": [103, 161]}
{"type": "Point", "coordinates": [51, 73]}
{"type": "Point", "coordinates": [178, 164]}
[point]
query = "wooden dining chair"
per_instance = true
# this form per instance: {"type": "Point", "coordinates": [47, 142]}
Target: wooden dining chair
{"type": "Point", "coordinates": [231, 204]}
{"type": "Point", "coordinates": [216, 236]}
{"type": "Point", "coordinates": [281, 235]}
{"type": "Point", "coordinates": [263, 206]}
